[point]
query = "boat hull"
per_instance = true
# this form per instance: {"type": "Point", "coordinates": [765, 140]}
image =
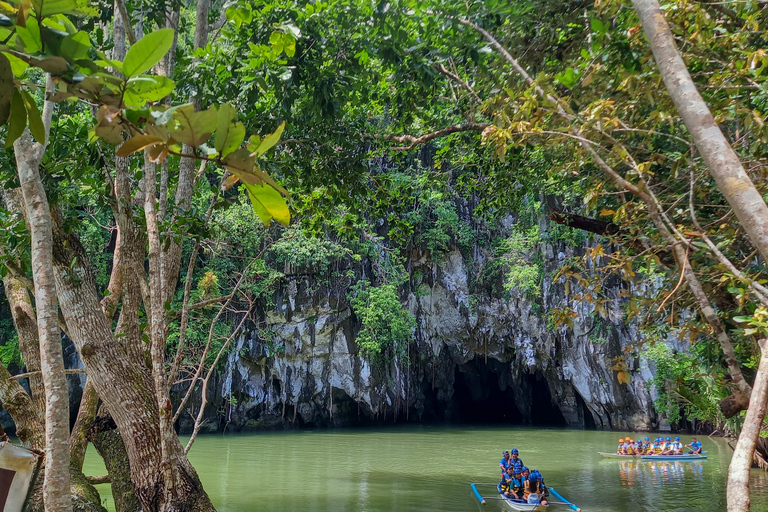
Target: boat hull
{"type": "Point", "coordinates": [673, 457]}
{"type": "Point", "coordinates": [525, 507]}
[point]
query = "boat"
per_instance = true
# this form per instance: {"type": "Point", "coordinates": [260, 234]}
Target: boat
{"type": "Point", "coordinates": [522, 506]}
{"type": "Point", "coordinates": [685, 456]}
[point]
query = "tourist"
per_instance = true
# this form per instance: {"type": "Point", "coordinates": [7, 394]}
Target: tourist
{"type": "Point", "coordinates": [629, 446]}
{"type": "Point", "coordinates": [666, 448]}
{"type": "Point", "coordinates": [518, 486]}
{"type": "Point", "coordinates": [516, 458]}
{"type": "Point", "coordinates": [534, 489]}
{"type": "Point", "coordinates": [677, 446]}
{"type": "Point", "coordinates": [695, 446]}
{"type": "Point", "coordinates": [620, 450]}
{"type": "Point", "coordinates": [657, 447]}
{"type": "Point", "coordinates": [647, 446]}
{"type": "Point", "coordinates": [505, 486]}
{"type": "Point", "coordinates": [504, 463]}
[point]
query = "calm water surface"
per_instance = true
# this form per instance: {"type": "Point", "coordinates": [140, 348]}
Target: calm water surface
{"type": "Point", "coordinates": [420, 469]}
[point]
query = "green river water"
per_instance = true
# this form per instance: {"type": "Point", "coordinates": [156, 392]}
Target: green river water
{"type": "Point", "coordinates": [404, 469]}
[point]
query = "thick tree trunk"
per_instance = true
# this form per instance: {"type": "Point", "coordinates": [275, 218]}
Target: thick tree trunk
{"type": "Point", "coordinates": [738, 474]}
{"type": "Point", "coordinates": [107, 441]}
{"type": "Point", "coordinates": [722, 161]}
{"type": "Point", "coordinates": [125, 386]}
{"type": "Point", "coordinates": [57, 481]}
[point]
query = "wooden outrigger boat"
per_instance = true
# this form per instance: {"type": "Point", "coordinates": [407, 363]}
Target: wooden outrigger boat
{"type": "Point", "coordinates": [685, 456]}
{"type": "Point", "coordinates": [522, 506]}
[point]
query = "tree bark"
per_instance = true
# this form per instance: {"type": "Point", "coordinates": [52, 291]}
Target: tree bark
{"type": "Point", "coordinates": [56, 491]}
{"type": "Point", "coordinates": [737, 494]}
{"type": "Point", "coordinates": [125, 387]}
{"type": "Point", "coordinates": [107, 441]}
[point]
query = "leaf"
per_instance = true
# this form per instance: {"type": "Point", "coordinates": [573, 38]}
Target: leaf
{"type": "Point", "coordinates": [137, 143]}
{"type": "Point", "coordinates": [229, 182]}
{"type": "Point", "coordinates": [53, 65]}
{"type": "Point", "coordinates": [147, 52]}
{"type": "Point", "coordinates": [45, 8]}
{"type": "Point", "coordinates": [29, 34]}
{"type": "Point", "coordinates": [36, 127]}
{"type": "Point", "coordinates": [18, 66]}
{"type": "Point", "coordinates": [75, 47]}
{"type": "Point", "coordinates": [17, 120]}
{"type": "Point", "coordinates": [142, 89]}
{"type": "Point", "coordinates": [6, 88]}
{"type": "Point", "coordinates": [109, 127]}
{"type": "Point", "coordinates": [229, 134]}
{"type": "Point", "coordinates": [268, 204]}
{"type": "Point", "coordinates": [193, 128]}
{"type": "Point", "coordinates": [269, 141]}
{"type": "Point", "coordinates": [157, 154]}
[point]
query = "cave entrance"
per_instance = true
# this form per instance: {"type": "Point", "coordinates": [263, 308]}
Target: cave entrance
{"type": "Point", "coordinates": [589, 420]}
{"type": "Point", "coordinates": [481, 393]}
{"type": "Point", "coordinates": [544, 411]}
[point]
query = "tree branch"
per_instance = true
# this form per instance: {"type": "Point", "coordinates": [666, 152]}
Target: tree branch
{"type": "Point", "coordinates": [423, 139]}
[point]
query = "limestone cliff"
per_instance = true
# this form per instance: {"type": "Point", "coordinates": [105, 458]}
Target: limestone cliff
{"type": "Point", "coordinates": [477, 357]}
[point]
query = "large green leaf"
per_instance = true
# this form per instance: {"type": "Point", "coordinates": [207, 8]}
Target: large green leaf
{"type": "Point", "coordinates": [75, 47]}
{"type": "Point", "coordinates": [29, 40]}
{"type": "Point", "coordinates": [45, 8]}
{"type": "Point", "coordinates": [229, 133]}
{"type": "Point", "coordinates": [147, 52]}
{"type": "Point", "coordinates": [17, 120]}
{"type": "Point", "coordinates": [36, 127]}
{"type": "Point", "coordinates": [193, 128]}
{"type": "Point", "coordinates": [18, 66]}
{"type": "Point", "coordinates": [144, 88]}
{"type": "Point", "coordinates": [6, 88]}
{"type": "Point", "coordinates": [268, 204]}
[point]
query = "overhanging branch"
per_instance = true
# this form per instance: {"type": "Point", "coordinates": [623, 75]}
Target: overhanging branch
{"type": "Point", "coordinates": [423, 139]}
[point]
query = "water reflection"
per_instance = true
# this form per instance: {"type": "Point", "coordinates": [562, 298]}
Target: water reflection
{"type": "Point", "coordinates": [654, 473]}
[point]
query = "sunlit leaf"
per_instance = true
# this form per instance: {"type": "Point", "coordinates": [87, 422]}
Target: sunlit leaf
{"type": "Point", "coordinates": [270, 140]}
{"type": "Point", "coordinates": [268, 204]}
{"type": "Point", "coordinates": [229, 133]}
{"type": "Point", "coordinates": [18, 66]}
{"type": "Point", "coordinates": [137, 143]}
{"type": "Point", "coordinates": [147, 52]}
{"type": "Point", "coordinates": [143, 89]}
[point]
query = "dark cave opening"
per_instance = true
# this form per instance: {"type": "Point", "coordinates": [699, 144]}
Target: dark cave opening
{"type": "Point", "coordinates": [478, 396]}
{"type": "Point", "coordinates": [543, 409]}
{"type": "Point", "coordinates": [589, 420]}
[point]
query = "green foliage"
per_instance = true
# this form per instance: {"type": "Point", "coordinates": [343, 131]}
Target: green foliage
{"type": "Point", "coordinates": [296, 247]}
{"type": "Point", "coordinates": [523, 266]}
{"type": "Point", "coordinates": [684, 389]}
{"type": "Point", "coordinates": [387, 327]}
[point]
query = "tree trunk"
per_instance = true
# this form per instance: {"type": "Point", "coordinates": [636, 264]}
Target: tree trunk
{"type": "Point", "coordinates": [741, 463]}
{"type": "Point", "coordinates": [125, 386]}
{"type": "Point", "coordinates": [57, 482]}
{"type": "Point", "coordinates": [107, 441]}
{"type": "Point", "coordinates": [722, 161]}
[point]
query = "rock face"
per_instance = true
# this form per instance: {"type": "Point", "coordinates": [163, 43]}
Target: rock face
{"type": "Point", "coordinates": [482, 357]}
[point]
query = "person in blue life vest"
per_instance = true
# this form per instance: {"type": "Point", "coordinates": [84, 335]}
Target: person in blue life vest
{"type": "Point", "coordinates": [505, 462]}
{"type": "Point", "coordinates": [639, 448]}
{"type": "Point", "coordinates": [506, 486]}
{"type": "Point", "coordinates": [647, 446]}
{"type": "Point", "coordinates": [516, 458]}
{"type": "Point", "coordinates": [518, 485]}
{"type": "Point", "coordinates": [695, 446]}
{"type": "Point", "coordinates": [534, 489]}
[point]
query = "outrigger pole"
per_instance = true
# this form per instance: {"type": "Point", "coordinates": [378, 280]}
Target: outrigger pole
{"type": "Point", "coordinates": [477, 494]}
{"type": "Point", "coordinates": [563, 500]}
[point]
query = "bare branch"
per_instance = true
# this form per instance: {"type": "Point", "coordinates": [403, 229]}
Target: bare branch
{"type": "Point", "coordinates": [461, 82]}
